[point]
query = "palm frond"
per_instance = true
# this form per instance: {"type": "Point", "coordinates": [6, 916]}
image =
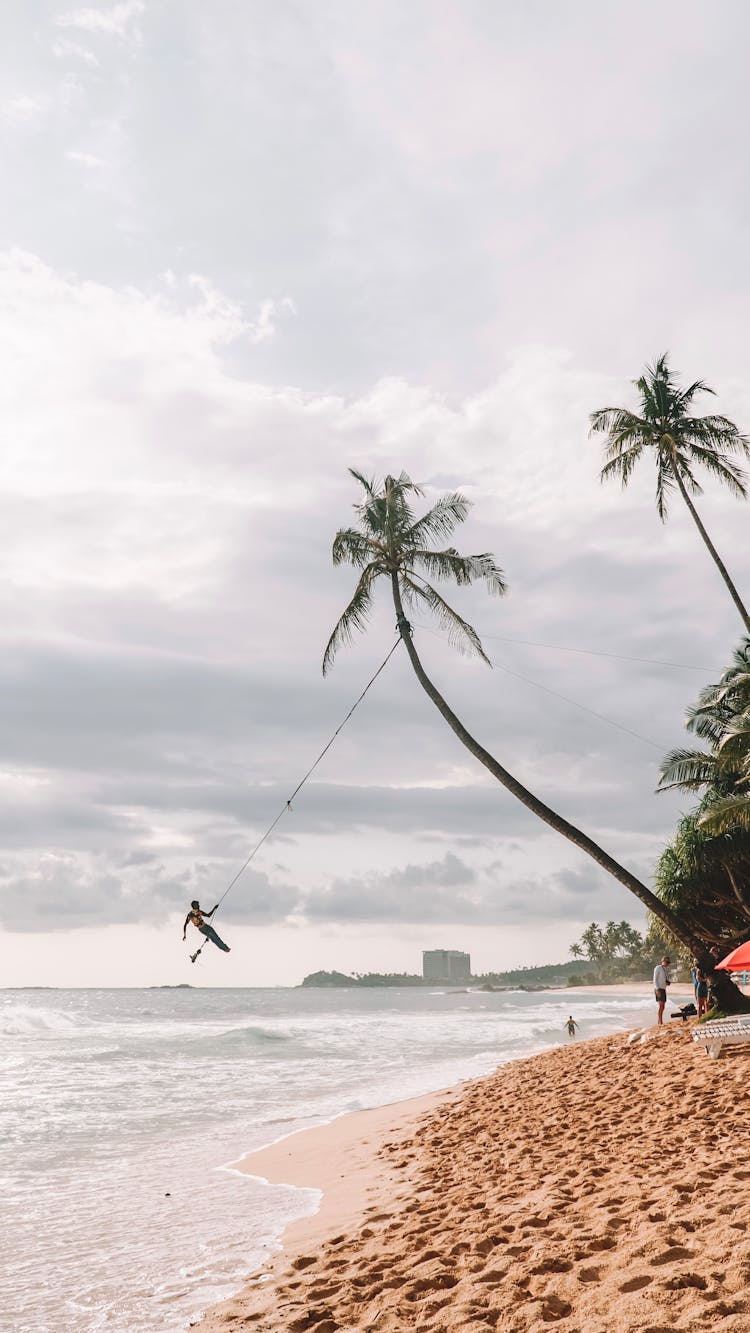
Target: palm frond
{"type": "Point", "coordinates": [618, 422]}
{"type": "Point", "coordinates": [621, 463]}
{"type": "Point", "coordinates": [687, 769]}
{"type": "Point", "coordinates": [722, 467]}
{"type": "Point", "coordinates": [733, 812]}
{"type": "Point", "coordinates": [665, 484]}
{"type": "Point", "coordinates": [708, 724]}
{"type": "Point", "coordinates": [441, 520]}
{"type": "Point", "coordinates": [737, 735]}
{"type": "Point", "coordinates": [367, 486]}
{"type": "Point", "coordinates": [684, 399]}
{"type": "Point", "coordinates": [462, 569]}
{"type": "Point", "coordinates": [715, 432]}
{"type": "Point", "coordinates": [461, 634]}
{"type": "Point", "coordinates": [354, 617]}
{"type": "Point", "coordinates": [353, 548]}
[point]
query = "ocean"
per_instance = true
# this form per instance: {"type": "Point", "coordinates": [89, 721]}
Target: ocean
{"type": "Point", "coordinates": [121, 1111]}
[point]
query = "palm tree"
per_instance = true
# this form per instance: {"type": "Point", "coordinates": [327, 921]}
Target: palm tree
{"type": "Point", "coordinates": [391, 543]}
{"type": "Point", "coordinates": [707, 867]}
{"type": "Point", "coordinates": [722, 718]}
{"type": "Point", "coordinates": [680, 443]}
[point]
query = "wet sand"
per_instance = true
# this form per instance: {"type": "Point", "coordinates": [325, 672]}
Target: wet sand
{"type": "Point", "coordinates": [601, 1187]}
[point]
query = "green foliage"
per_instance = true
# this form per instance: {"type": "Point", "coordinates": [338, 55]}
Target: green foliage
{"type": "Point", "coordinates": [704, 873]}
{"type": "Point", "coordinates": [547, 974]}
{"type": "Point", "coordinates": [550, 974]}
{"type": "Point", "coordinates": [615, 951]}
{"type": "Point", "coordinates": [328, 979]}
{"type": "Point", "coordinates": [679, 442]}
{"type": "Point", "coordinates": [340, 979]}
{"type": "Point", "coordinates": [696, 876]}
{"type": "Point", "coordinates": [392, 543]}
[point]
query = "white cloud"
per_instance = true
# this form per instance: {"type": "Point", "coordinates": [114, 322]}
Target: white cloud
{"type": "Point", "coordinates": [264, 326]}
{"type": "Point", "coordinates": [167, 593]}
{"type": "Point", "coordinates": [85, 159]}
{"type": "Point", "coordinates": [22, 109]}
{"type": "Point", "coordinates": [473, 274]}
{"type": "Point", "coordinates": [114, 20]}
{"type": "Point", "coordinates": [63, 48]}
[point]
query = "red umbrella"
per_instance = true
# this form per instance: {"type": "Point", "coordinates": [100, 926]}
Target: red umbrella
{"type": "Point", "coordinates": [738, 960]}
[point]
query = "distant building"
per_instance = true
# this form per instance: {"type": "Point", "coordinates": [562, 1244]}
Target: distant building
{"type": "Point", "coordinates": [446, 965]}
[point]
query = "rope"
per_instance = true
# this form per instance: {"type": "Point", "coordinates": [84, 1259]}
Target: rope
{"type": "Point", "coordinates": [592, 652]}
{"type": "Point", "coordinates": [565, 697]}
{"type": "Point", "coordinates": [287, 806]}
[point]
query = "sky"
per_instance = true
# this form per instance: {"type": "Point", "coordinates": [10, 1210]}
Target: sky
{"type": "Point", "coordinates": [243, 248]}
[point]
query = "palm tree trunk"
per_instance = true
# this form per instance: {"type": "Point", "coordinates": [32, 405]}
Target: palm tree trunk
{"type": "Point", "coordinates": [727, 993]}
{"type": "Point", "coordinates": [733, 593]}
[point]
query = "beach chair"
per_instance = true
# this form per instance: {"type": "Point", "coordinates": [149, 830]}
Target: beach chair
{"type": "Point", "coordinates": [721, 1032]}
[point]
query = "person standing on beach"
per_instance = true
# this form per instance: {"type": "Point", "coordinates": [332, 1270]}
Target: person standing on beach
{"type": "Point", "coordinates": [571, 1025]}
{"type": "Point", "coordinates": [661, 980]}
{"type": "Point", "coordinates": [197, 917]}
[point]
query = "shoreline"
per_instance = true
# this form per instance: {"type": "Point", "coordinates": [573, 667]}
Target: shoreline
{"type": "Point", "coordinates": [552, 1192]}
{"type": "Point", "coordinates": [337, 1159]}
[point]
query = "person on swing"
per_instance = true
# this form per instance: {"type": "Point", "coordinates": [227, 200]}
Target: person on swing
{"type": "Point", "coordinates": [199, 920]}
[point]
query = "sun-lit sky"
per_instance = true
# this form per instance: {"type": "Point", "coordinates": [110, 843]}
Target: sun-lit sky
{"type": "Point", "coordinates": [242, 248]}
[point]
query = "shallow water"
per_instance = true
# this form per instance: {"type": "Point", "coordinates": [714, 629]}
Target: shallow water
{"type": "Point", "coordinates": [120, 1108]}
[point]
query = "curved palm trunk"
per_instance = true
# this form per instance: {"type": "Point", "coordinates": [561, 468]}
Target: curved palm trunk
{"type": "Point", "coordinates": [733, 593]}
{"type": "Point", "coordinates": [726, 993]}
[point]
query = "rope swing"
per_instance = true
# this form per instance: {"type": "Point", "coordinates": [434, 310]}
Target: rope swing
{"type": "Point", "coordinates": [287, 806]}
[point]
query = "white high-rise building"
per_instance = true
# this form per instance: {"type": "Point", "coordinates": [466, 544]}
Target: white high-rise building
{"type": "Point", "coordinates": [446, 965]}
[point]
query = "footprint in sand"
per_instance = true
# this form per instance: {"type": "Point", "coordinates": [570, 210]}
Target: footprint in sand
{"type": "Point", "coordinates": [599, 1243]}
{"type": "Point", "coordinates": [486, 1245]}
{"type": "Point", "coordinates": [588, 1274]}
{"type": "Point", "coordinates": [555, 1308]}
{"type": "Point", "coordinates": [671, 1256]}
{"type": "Point", "coordinates": [681, 1281]}
{"type": "Point", "coordinates": [636, 1283]}
{"type": "Point", "coordinates": [552, 1266]}
{"type": "Point", "coordinates": [320, 1320]}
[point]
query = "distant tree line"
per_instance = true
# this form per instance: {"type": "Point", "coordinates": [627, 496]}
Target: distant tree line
{"type": "Point", "coordinates": [617, 952]}
{"type": "Point", "coordinates": [549, 974]}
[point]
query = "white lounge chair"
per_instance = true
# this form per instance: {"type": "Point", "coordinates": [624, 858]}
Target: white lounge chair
{"type": "Point", "coordinates": [722, 1032]}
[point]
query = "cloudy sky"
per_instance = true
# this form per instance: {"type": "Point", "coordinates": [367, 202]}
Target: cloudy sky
{"type": "Point", "coordinates": [242, 248]}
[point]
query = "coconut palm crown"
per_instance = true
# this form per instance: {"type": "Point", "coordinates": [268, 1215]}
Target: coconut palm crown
{"type": "Point", "coordinates": [680, 443]}
{"type": "Point", "coordinates": [391, 542]}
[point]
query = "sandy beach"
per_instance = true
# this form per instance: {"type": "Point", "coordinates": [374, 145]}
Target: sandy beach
{"type": "Point", "coordinates": [601, 1187]}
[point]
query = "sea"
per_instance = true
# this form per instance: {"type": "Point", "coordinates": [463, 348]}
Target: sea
{"type": "Point", "coordinates": [122, 1113]}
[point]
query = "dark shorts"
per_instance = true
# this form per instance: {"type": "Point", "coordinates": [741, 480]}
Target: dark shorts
{"type": "Point", "coordinates": [661, 995]}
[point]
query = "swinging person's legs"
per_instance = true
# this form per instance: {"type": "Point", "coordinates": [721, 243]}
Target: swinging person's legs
{"type": "Point", "coordinates": [210, 934]}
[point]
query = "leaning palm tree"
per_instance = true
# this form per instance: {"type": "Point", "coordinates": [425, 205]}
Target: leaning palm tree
{"type": "Point", "coordinates": [680, 443]}
{"type": "Point", "coordinates": [391, 543]}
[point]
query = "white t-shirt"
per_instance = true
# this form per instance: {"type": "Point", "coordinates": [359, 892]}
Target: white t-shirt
{"type": "Point", "coordinates": [661, 977]}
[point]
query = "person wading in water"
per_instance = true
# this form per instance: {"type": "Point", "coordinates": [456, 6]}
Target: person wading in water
{"type": "Point", "coordinates": [199, 919]}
